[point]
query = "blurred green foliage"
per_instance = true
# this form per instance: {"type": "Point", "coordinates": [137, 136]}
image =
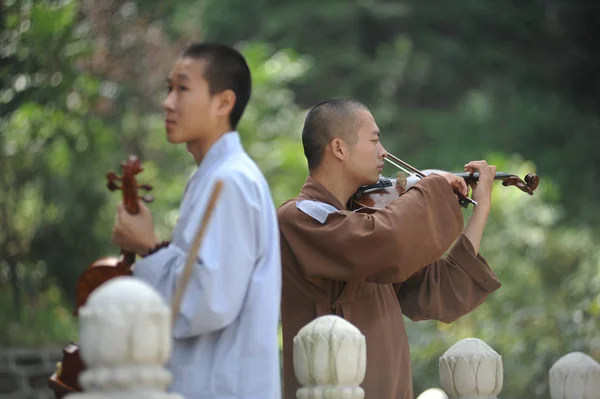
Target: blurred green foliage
{"type": "Point", "coordinates": [81, 89]}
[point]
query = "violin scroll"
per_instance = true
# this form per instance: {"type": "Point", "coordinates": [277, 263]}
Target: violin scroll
{"type": "Point", "coordinates": [527, 185]}
{"type": "Point", "coordinates": [532, 180]}
{"type": "Point", "coordinates": [128, 185]}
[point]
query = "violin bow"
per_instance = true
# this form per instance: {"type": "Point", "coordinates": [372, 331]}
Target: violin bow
{"type": "Point", "coordinates": [193, 253]}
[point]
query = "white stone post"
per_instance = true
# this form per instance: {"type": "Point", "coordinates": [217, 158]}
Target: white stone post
{"type": "Point", "coordinates": [575, 376]}
{"type": "Point", "coordinates": [330, 359]}
{"type": "Point", "coordinates": [433, 393]}
{"type": "Point", "coordinates": [471, 369]}
{"type": "Point", "coordinates": [125, 340]}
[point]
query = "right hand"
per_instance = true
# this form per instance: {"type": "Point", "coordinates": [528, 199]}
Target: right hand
{"type": "Point", "coordinates": [457, 183]}
{"type": "Point", "coordinates": [134, 232]}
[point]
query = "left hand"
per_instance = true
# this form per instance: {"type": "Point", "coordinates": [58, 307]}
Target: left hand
{"type": "Point", "coordinates": [134, 232]}
{"type": "Point", "coordinates": [482, 190]}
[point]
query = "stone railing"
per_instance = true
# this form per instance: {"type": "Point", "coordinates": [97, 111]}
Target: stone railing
{"type": "Point", "coordinates": [471, 369]}
{"type": "Point", "coordinates": [330, 362]}
{"type": "Point", "coordinates": [125, 338]}
{"type": "Point", "coordinates": [24, 372]}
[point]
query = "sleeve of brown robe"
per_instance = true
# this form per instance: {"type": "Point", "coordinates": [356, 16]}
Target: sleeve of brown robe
{"type": "Point", "coordinates": [387, 246]}
{"type": "Point", "coordinates": [450, 287]}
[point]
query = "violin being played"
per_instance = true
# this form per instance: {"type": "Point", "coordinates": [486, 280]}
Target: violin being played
{"type": "Point", "coordinates": [65, 379]}
{"type": "Point", "coordinates": [376, 196]}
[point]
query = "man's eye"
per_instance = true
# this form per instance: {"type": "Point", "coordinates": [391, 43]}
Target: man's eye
{"type": "Point", "coordinates": [182, 88]}
{"type": "Point", "coordinates": [169, 89]}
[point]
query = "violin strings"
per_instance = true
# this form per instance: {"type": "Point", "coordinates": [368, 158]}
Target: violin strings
{"type": "Point", "coordinates": [396, 165]}
{"type": "Point", "coordinates": [409, 167]}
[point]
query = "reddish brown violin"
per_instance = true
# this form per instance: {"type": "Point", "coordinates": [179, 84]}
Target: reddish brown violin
{"type": "Point", "coordinates": [370, 198]}
{"type": "Point", "coordinates": [105, 269]}
{"type": "Point", "coordinates": [65, 378]}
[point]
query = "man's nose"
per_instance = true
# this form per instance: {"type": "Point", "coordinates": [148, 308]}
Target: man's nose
{"type": "Point", "coordinates": [382, 152]}
{"type": "Point", "coordinates": [169, 103]}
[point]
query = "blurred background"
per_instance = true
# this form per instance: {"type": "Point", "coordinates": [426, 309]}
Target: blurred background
{"type": "Point", "coordinates": [515, 83]}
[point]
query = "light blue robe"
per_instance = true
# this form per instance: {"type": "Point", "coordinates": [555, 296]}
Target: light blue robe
{"type": "Point", "coordinates": [225, 338]}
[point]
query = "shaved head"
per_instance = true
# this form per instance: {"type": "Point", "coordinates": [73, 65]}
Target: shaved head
{"type": "Point", "coordinates": [326, 121]}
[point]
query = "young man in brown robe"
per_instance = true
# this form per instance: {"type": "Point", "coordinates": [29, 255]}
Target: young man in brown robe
{"type": "Point", "coordinates": [372, 268]}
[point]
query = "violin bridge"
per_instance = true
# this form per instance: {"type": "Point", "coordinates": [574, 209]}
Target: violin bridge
{"type": "Point", "coordinates": [401, 180]}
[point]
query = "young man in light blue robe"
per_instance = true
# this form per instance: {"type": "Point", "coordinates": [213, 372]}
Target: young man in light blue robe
{"type": "Point", "coordinates": [225, 342]}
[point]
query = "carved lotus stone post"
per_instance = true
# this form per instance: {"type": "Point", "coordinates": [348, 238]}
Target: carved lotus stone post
{"type": "Point", "coordinates": [125, 339]}
{"type": "Point", "coordinates": [575, 376]}
{"type": "Point", "coordinates": [330, 359]}
{"type": "Point", "coordinates": [471, 369]}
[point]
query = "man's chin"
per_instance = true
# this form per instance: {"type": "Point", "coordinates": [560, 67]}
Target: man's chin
{"type": "Point", "coordinates": [173, 138]}
{"type": "Point", "coordinates": [369, 182]}
{"type": "Point", "coordinates": [375, 179]}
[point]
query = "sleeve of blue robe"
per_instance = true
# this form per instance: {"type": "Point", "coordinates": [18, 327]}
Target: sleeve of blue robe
{"type": "Point", "coordinates": [223, 266]}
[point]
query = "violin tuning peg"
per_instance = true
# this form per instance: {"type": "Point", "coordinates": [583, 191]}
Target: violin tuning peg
{"type": "Point", "coordinates": [112, 186]}
{"type": "Point", "coordinates": [112, 176]}
{"type": "Point", "coordinates": [146, 187]}
{"type": "Point", "coordinates": [147, 198]}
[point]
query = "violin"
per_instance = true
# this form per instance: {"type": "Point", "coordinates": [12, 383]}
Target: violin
{"type": "Point", "coordinates": [370, 198]}
{"type": "Point", "coordinates": [65, 378]}
{"type": "Point", "coordinates": [107, 268]}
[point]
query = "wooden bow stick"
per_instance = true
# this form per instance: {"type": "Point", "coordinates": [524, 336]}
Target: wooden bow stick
{"type": "Point", "coordinates": [193, 253]}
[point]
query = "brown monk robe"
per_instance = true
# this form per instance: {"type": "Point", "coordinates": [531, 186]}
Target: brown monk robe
{"type": "Point", "coordinates": [371, 269]}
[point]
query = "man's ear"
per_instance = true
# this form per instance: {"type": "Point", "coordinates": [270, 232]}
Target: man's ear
{"type": "Point", "coordinates": [339, 149]}
{"type": "Point", "coordinates": [225, 102]}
